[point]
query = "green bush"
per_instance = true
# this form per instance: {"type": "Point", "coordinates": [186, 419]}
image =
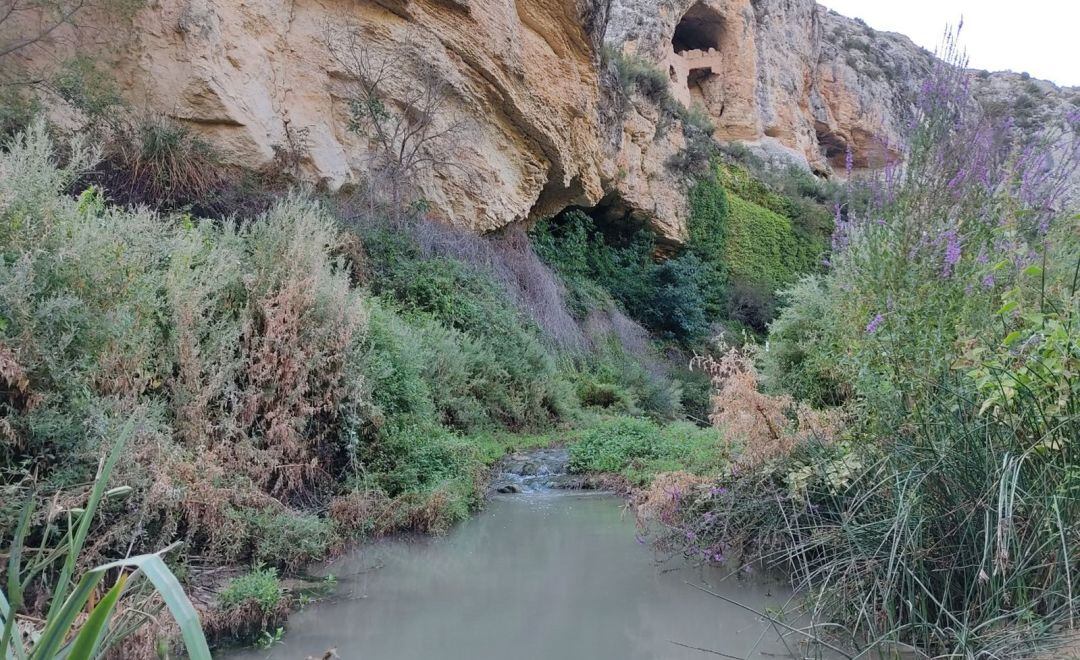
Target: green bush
{"type": "Point", "coordinates": [762, 247]}
{"type": "Point", "coordinates": [236, 343]}
{"type": "Point", "coordinates": [639, 449]}
{"type": "Point", "coordinates": [418, 459]}
{"type": "Point", "coordinates": [676, 307]}
{"type": "Point", "coordinates": [612, 379]}
{"type": "Point", "coordinates": [261, 587]}
{"type": "Point", "coordinates": [483, 359]}
{"type": "Point", "coordinates": [667, 297]}
{"type": "Point", "coordinates": [640, 75]}
{"type": "Point", "coordinates": [161, 163]}
{"type": "Point", "coordinates": [945, 519]}
{"type": "Point", "coordinates": [802, 354]}
{"type": "Point", "coordinates": [707, 227]}
{"type": "Point", "coordinates": [17, 111]}
{"type": "Point", "coordinates": [81, 82]}
{"type": "Point", "coordinates": [395, 358]}
{"type": "Point", "coordinates": [286, 539]}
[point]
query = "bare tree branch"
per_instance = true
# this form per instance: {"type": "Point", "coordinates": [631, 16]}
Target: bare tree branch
{"type": "Point", "coordinates": [411, 131]}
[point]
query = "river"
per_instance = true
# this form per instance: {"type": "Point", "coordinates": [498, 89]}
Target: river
{"type": "Point", "coordinates": [536, 575]}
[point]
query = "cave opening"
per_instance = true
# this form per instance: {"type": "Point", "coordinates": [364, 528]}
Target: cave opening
{"type": "Point", "coordinates": [611, 217]}
{"type": "Point", "coordinates": [833, 146]}
{"type": "Point", "coordinates": [701, 28]}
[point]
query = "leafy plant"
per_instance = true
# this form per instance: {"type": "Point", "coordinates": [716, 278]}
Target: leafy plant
{"type": "Point", "coordinates": [260, 587]}
{"type": "Point", "coordinates": [100, 629]}
{"type": "Point", "coordinates": [640, 449]}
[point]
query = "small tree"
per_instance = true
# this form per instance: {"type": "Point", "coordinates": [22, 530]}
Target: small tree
{"type": "Point", "coordinates": [410, 134]}
{"type": "Point", "coordinates": [37, 56]}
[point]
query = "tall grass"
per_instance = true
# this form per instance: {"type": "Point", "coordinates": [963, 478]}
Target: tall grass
{"type": "Point", "coordinates": [111, 613]}
{"type": "Point", "coordinates": [945, 516]}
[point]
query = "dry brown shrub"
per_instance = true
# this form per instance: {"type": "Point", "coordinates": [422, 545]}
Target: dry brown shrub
{"type": "Point", "coordinates": [662, 500]}
{"type": "Point", "coordinates": [427, 513]}
{"type": "Point", "coordinates": [369, 512]}
{"type": "Point", "coordinates": [17, 380]}
{"type": "Point", "coordinates": [768, 425]}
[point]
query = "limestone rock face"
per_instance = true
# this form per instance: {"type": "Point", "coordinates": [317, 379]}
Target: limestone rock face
{"type": "Point", "coordinates": [801, 84]}
{"type": "Point", "coordinates": [520, 79]}
{"type": "Point", "coordinates": [536, 117]}
{"type": "Point", "coordinates": [778, 74]}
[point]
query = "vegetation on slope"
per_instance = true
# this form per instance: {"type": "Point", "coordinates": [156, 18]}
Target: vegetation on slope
{"type": "Point", "coordinates": [931, 501]}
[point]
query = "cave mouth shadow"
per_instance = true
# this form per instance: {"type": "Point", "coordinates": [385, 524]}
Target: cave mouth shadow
{"type": "Point", "coordinates": [701, 28]}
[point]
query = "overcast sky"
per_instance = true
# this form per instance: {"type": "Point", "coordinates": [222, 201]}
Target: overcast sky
{"type": "Point", "coordinates": [1041, 37]}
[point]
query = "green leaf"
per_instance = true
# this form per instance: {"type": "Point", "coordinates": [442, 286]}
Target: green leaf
{"type": "Point", "coordinates": [1011, 338]}
{"type": "Point", "coordinates": [58, 624]}
{"type": "Point", "coordinates": [1008, 307]}
{"type": "Point", "coordinates": [96, 494]}
{"type": "Point", "coordinates": [14, 587]}
{"type": "Point", "coordinates": [1033, 271]}
{"type": "Point", "coordinates": [93, 631]}
{"type": "Point", "coordinates": [155, 570]}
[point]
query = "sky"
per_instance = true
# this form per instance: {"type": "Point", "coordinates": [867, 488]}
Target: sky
{"type": "Point", "coordinates": [1041, 37]}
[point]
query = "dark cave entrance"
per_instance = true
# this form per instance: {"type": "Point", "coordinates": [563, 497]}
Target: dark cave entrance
{"type": "Point", "coordinates": [612, 218]}
{"type": "Point", "coordinates": [701, 28]}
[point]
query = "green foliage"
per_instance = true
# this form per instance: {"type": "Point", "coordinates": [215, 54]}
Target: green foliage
{"type": "Point", "coordinates": [395, 356]}
{"type": "Point", "coordinates": [762, 247]}
{"type": "Point", "coordinates": [613, 380]}
{"type": "Point", "coordinates": [160, 162]}
{"type": "Point", "coordinates": [482, 360]}
{"type": "Point", "coordinates": [412, 459]}
{"type": "Point", "coordinates": [104, 627]}
{"type": "Point", "coordinates": [802, 354]}
{"type": "Point", "coordinates": [667, 297]}
{"type": "Point", "coordinates": [282, 538]}
{"type": "Point", "coordinates": [946, 326]}
{"type": "Point", "coordinates": [707, 226]}
{"type": "Point", "coordinates": [17, 110]}
{"type": "Point", "coordinates": [260, 587]}
{"type": "Point", "coordinates": [227, 337]}
{"type": "Point", "coordinates": [639, 449]}
{"type": "Point", "coordinates": [676, 306]}
{"type": "Point", "coordinates": [81, 82]}
{"type": "Point", "coordinates": [640, 75]}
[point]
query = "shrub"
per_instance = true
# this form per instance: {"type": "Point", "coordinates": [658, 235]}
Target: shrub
{"type": "Point", "coordinates": [943, 516]}
{"type": "Point", "coordinates": [762, 247]}
{"type": "Point", "coordinates": [91, 91]}
{"type": "Point", "coordinates": [707, 226]}
{"type": "Point", "coordinates": [802, 354]}
{"type": "Point", "coordinates": [667, 296]}
{"type": "Point", "coordinates": [676, 308]}
{"type": "Point", "coordinates": [286, 539]}
{"type": "Point", "coordinates": [235, 342]}
{"type": "Point", "coordinates": [161, 163]}
{"type": "Point", "coordinates": [640, 449]}
{"type": "Point", "coordinates": [394, 360]}
{"type": "Point", "coordinates": [640, 75]}
{"type": "Point", "coordinates": [260, 587]}
{"type": "Point", "coordinates": [17, 111]}
{"type": "Point", "coordinates": [613, 378]}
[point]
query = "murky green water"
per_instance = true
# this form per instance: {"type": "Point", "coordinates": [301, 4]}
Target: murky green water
{"type": "Point", "coordinates": [531, 577]}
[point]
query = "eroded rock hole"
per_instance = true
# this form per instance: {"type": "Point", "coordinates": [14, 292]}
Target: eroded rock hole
{"type": "Point", "coordinates": [833, 146]}
{"type": "Point", "coordinates": [701, 28]}
{"type": "Point", "coordinates": [618, 222]}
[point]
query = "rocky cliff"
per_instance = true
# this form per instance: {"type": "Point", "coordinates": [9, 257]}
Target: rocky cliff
{"type": "Point", "coordinates": [526, 118]}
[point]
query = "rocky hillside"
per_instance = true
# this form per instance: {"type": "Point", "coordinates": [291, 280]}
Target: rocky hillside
{"type": "Point", "coordinates": [527, 116]}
